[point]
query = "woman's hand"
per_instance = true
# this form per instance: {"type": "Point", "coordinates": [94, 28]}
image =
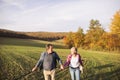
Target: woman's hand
{"type": "Point", "coordinates": [61, 67]}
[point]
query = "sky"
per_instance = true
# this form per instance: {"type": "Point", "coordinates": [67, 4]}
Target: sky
{"type": "Point", "coordinates": [55, 15]}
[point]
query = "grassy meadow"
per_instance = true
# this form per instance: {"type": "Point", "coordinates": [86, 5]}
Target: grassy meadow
{"type": "Point", "coordinates": [18, 57]}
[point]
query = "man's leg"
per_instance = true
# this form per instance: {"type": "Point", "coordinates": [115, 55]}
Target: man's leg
{"type": "Point", "coordinates": [46, 74]}
{"type": "Point", "coordinates": [52, 74]}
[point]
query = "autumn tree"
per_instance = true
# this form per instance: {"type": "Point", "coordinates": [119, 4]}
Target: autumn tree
{"type": "Point", "coordinates": [93, 35]}
{"type": "Point", "coordinates": [94, 23]}
{"type": "Point", "coordinates": [115, 29]}
{"type": "Point", "coordinates": [68, 40]}
{"type": "Point", "coordinates": [75, 39]}
{"type": "Point", "coordinates": [115, 24]}
{"type": "Point", "coordinates": [110, 42]}
{"type": "Point", "coordinates": [78, 38]}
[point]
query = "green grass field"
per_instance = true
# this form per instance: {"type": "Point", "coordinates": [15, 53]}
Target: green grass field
{"type": "Point", "coordinates": [18, 57]}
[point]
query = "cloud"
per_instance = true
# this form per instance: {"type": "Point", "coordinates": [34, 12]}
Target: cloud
{"type": "Point", "coordinates": [16, 3]}
{"type": "Point", "coordinates": [57, 16]}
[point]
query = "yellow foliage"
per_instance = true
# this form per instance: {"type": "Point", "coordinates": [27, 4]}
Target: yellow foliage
{"type": "Point", "coordinates": [115, 24]}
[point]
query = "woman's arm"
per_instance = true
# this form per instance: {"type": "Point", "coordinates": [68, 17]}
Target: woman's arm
{"type": "Point", "coordinates": [67, 62]}
{"type": "Point", "coordinates": [80, 60]}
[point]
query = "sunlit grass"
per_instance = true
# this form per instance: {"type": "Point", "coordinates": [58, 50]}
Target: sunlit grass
{"type": "Point", "coordinates": [18, 56]}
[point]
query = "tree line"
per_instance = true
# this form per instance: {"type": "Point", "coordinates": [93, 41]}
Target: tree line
{"type": "Point", "coordinates": [47, 36]}
{"type": "Point", "coordinates": [96, 38]}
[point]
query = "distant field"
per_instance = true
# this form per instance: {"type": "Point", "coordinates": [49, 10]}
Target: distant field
{"type": "Point", "coordinates": [18, 56]}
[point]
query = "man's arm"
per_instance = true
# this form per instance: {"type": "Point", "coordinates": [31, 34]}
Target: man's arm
{"type": "Point", "coordinates": [60, 61]}
{"type": "Point", "coordinates": [58, 58]}
{"type": "Point", "coordinates": [39, 62]}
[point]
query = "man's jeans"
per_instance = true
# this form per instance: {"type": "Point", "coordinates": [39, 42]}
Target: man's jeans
{"type": "Point", "coordinates": [49, 73]}
{"type": "Point", "coordinates": [75, 73]}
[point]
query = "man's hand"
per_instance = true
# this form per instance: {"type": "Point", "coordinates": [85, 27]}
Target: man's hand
{"type": "Point", "coordinates": [34, 69]}
{"type": "Point", "coordinates": [61, 67]}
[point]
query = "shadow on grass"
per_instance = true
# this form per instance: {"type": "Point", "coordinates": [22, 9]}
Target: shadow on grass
{"type": "Point", "coordinates": [104, 66]}
{"type": "Point", "coordinates": [114, 74]}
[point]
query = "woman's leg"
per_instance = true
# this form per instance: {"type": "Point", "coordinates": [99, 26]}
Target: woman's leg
{"type": "Point", "coordinates": [72, 73]}
{"type": "Point", "coordinates": [77, 74]}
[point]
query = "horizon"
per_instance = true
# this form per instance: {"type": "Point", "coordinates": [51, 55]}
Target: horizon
{"type": "Point", "coordinates": [55, 16]}
{"type": "Point", "coordinates": [34, 31]}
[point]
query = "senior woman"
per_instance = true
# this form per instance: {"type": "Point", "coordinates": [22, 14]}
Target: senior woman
{"type": "Point", "coordinates": [74, 61]}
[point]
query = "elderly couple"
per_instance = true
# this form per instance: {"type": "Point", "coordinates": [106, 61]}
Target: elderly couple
{"type": "Point", "coordinates": [48, 61]}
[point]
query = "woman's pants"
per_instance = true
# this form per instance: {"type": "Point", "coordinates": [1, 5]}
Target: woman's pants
{"type": "Point", "coordinates": [75, 73]}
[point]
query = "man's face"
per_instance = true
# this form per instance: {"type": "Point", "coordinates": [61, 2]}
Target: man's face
{"type": "Point", "coordinates": [50, 49]}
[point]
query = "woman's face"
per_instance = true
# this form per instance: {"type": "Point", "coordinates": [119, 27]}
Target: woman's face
{"type": "Point", "coordinates": [73, 51]}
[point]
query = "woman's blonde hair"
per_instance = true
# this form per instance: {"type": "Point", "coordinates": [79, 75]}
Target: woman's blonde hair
{"type": "Point", "coordinates": [75, 49]}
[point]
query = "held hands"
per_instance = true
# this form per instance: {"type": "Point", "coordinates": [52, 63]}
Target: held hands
{"type": "Point", "coordinates": [61, 67]}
